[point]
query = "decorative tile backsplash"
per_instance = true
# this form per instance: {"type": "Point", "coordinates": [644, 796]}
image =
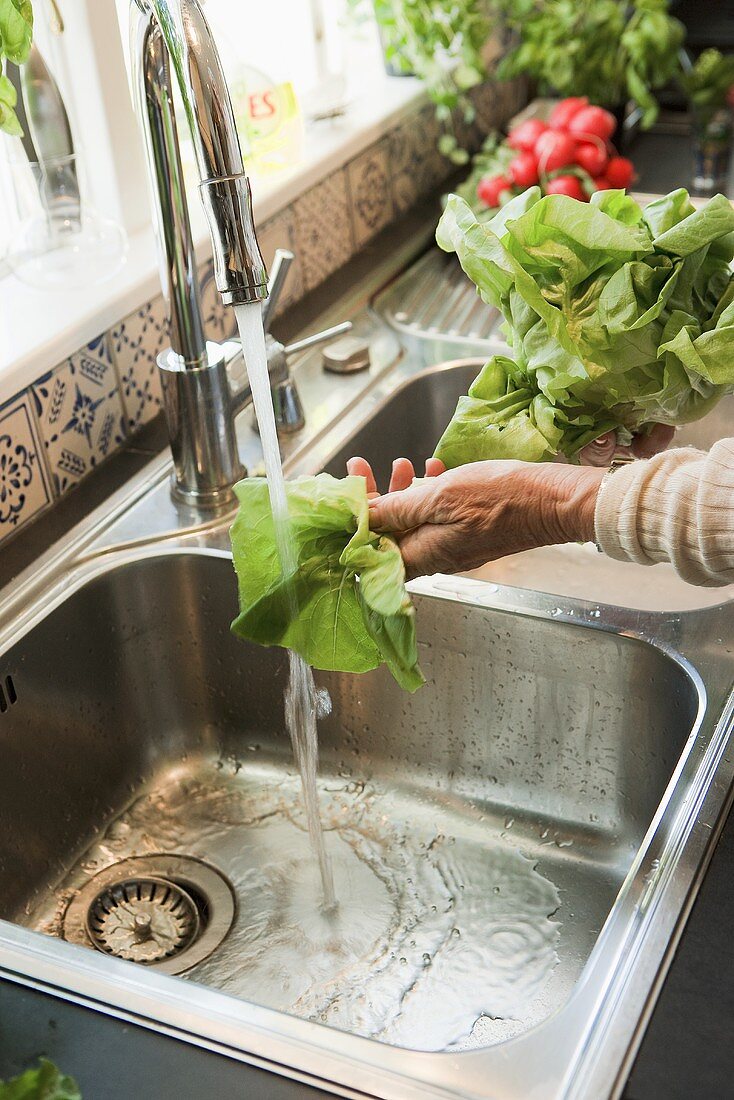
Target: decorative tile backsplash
{"type": "Point", "coordinates": [80, 413]}
{"type": "Point", "coordinates": [135, 344]}
{"type": "Point", "coordinates": [24, 482]}
{"type": "Point", "coordinates": [77, 414]}
{"type": "Point", "coordinates": [368, 177]}
{"type": "Point", "coordinates": [280, 232]}
{"type": "Point", "coordinates": [324, 228]}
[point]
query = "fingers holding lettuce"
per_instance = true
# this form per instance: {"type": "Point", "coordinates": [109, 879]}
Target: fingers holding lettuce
{"type": "Point", "coordinates": [463, 518]}
{"type": "Point", "coordinates": [454, 520]}
{"type": "Point", "coordinates": [402, 475]}
{"type": "Point", "coordinates": [643, 445]}
{"type": "Point", "coordinates": [620, 325]}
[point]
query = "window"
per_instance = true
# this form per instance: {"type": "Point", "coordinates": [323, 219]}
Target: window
{"type": "Point", "coordinates": [310, 44]}
{"type": "Point", "coordinates": [334, 68]}
{"type": "Point", "coordinates": [81, 46]}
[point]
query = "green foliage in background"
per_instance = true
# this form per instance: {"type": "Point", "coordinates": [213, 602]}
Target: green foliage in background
{"type": "Point", "coordinates": [46, 1082]}
{"type": "Point", "coordinates": [16, 33]}
{"type": "Point", "coordinates": [442, 42]}
{"type": "Point", "coordinates": [608, 50]}
{"type": "Point", "coordinates": [708, 82]}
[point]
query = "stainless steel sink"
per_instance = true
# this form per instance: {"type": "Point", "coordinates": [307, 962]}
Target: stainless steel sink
{"type": "Point", "coordinates": [410, 422]}
{"type": "Point", "coordinates": [516, 846]}
{"type": "Point", "coordinates": [141, 728]}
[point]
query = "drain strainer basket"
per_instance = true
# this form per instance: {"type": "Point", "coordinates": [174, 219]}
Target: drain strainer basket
{"type": "Point", "coordinates": [166, 912]}
{"type": "Point", "coordinates": [145, 920]}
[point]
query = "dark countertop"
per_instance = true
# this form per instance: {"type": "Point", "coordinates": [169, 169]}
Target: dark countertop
{"type": "Point", "coordinates": [112, 1060]}
{"type": "Point", "coordinates": [687, 1052]}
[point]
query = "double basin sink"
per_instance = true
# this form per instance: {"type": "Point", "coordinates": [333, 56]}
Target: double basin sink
{"type": "Point", "coordinates": [515, 846]}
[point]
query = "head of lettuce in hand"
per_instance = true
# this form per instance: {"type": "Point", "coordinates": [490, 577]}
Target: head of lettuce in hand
{"type": "Point", "coordinates": [345, 608]}
{"type": "Point", "coordinates": [618, 317]}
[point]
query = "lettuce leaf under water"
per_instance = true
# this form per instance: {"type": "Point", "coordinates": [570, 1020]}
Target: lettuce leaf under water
{"type": "Point", "coordinates": [345, 608]}
{"type": "Point", "coordinates": [617, 317]}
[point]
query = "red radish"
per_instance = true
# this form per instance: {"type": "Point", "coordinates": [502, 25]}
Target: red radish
{"type": "Point", "coordinates": [490, 188]}
{"type": "Point", "coordinates": [591, 157]}
{"type": "Point", "coordinates": [554, 150]}
{"type": "Point", "coordinates": [523, 170]}
{"type": "Point", "coordinates": [526, 134]}
{"type": "Point", "coordinates": [601, 183]}
{"type": "Point", "coordinates": [566, 185]}
{"type": "Point", "coordinates": [594, 121]}
{"type": "Point", "coordinates": [564, 111]}
{"type": "Point", "coordinates": [620, 172]}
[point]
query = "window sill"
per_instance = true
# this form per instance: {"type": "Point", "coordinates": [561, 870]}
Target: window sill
{"type": "Point", "coordinates": [39, 329]}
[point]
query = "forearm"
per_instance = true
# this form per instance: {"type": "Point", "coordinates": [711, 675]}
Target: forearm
{"type": "Point", "coordinates": [677, 507]}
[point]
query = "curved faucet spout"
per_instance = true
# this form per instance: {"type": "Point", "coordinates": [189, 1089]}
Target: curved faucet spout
{"type": "Point", "coordinates": [225, 190]}
{"type": "Point", "coordinates": [172, 37]}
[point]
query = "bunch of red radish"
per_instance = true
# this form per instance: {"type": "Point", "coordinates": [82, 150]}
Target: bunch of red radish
{"type": "Point", "coordinates": [570, 154]}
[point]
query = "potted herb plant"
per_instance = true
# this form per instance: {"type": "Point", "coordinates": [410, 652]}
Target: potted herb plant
{"type": "Point", "coordinates": [608, 50]}
{"type": "Point", "coordinates": [444, 44]}
{"type": "Point", "coordinates": [709, 84]}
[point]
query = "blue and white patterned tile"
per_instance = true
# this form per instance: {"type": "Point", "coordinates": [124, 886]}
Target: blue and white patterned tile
{"type": "Point", "coordinates": [25, 488]}
{"type": "Point", "coordinates": [136, 343]}
{"type": "Point", "coordinates": [371, 194]}
{"type": "Point", "coordinates": [220, 322]}
{"type": "Point", "coordinates": [324, 228]}
{"type": "Point", "coordinates": [80, 412]}
{"type": "Point", "coordinates": [280, 232]}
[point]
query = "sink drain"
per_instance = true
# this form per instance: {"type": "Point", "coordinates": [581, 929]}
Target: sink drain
{"type": "Point", "coordinates": [143, 919]}
{"type": "Point", "coordinates": [166, 912]}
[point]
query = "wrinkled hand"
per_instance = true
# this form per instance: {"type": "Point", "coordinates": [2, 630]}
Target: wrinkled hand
{"type": "Point", "coordinates": [459, 519]}
{"type": "Point", "coordinates": [604, 449]}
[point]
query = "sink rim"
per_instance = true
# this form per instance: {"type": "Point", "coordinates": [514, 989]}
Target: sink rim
{"type": "Point", "coordinates": [246, 1030]}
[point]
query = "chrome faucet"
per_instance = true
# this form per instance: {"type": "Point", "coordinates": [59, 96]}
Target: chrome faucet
{"type": "Point", "coordinates": [172, 36]}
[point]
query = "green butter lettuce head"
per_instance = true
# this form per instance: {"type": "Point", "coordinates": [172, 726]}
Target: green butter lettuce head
{"type": "Point", "coordinates": [345, 608]}
{"type": "Point", "coordinates": [617, 317]}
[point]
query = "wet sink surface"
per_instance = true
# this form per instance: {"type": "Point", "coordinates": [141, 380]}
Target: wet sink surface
{"type": "Point", "coordinates": [481, 829]}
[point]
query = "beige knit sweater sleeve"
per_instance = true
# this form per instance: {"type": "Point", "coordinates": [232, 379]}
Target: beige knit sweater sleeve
{"type": "Point", "coordinates": [676, 507]}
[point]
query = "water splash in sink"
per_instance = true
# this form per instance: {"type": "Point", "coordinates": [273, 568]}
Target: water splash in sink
{"type": "Point", "coordinates": [300, 699]}
{"type": "Point", "coordinates": [443, 930]}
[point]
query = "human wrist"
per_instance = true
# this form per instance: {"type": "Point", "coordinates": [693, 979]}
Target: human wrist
{"type": "Point", "coordinates": [567, 499]}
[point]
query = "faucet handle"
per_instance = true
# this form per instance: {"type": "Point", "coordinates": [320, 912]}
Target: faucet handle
{"type": "Point", "coordinates": [318, 338]}
{"type": "Point", "coordinates": [278, 274]}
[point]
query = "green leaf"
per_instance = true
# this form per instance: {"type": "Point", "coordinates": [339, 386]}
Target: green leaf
{"type": "Point", "coordinates": [345, 608]}
{"type": "Point", "coordinates": [8, 119]}
{"type": "Point", "coordinates": [16, 29]}
{"type": "Point", "coordinates": [617, 317]}
{"type": "Point", "coordinates": [44, 1083]}
{"type": "Point", "coordinates": [605, 49]}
